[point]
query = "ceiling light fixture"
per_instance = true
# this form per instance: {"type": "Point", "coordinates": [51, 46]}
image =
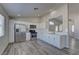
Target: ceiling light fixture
{"type": "Point", "coordinates": [35, 8]}
{"type": "Point", "coordinates": [18, 15]}
{"type": "Point", "coordinates": [36, 12]}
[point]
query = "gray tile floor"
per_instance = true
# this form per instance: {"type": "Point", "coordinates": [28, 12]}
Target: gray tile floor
{"type": "Point", "coordinates": [35, 47]}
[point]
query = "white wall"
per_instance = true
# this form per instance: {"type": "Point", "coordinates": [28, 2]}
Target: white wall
{"type": "Point", "coordinates": [5, 39]}
{"type": "Point", "coordinates": [32, 20]}
{"type": "Point", "coordinates": [63, 10]}
{"type": "Point", "coordinates": [26, 21]}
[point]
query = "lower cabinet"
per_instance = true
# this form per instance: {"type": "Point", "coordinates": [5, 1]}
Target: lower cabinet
{"type": "Point", "coordinates": [54, 39]}
{"type": "Point", "coordinates": [58, 42]}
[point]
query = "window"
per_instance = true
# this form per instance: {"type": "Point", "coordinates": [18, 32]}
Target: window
{"type": "Point", "coordinates": [51, 23]}
{"type": "Point", "coordinates": [56, 28]}
{"type": "Point", "coordinates": [1, 25]}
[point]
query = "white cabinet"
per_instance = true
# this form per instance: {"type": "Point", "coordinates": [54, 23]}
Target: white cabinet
{"type": "Point", "coordinates": [56, 40]}
{"type": "Point", "coordinates": [28, 36]}
{"type": "Point", "coordinates": [51, 39]}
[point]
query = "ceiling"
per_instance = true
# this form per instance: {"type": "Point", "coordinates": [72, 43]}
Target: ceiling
{"type": "Point", "coordinates": [27, 9]}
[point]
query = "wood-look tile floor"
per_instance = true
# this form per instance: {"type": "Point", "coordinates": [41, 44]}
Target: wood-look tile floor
{"type": "Point", "coordinates": [34, 47]}
{"type": "Point", "coordinates": [74, 46]}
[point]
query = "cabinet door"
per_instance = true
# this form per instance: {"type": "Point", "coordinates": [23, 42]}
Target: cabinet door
{"type": "Point", "coordinates": [46, 38]}
{"type": "Point", "coordinates": [63, 40]}
{"type": "Point", "coordinates": [57, 41]}
{"type": "Point", "coordinates": [52, 39]}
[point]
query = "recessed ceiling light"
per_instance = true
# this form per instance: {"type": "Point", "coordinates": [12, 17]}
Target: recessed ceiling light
{"type": "Point", "coordinates": [19, 15]}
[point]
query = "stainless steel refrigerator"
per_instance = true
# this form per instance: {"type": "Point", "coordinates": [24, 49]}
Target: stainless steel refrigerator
{"type": "Point", "coordinates": [19, 32]}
